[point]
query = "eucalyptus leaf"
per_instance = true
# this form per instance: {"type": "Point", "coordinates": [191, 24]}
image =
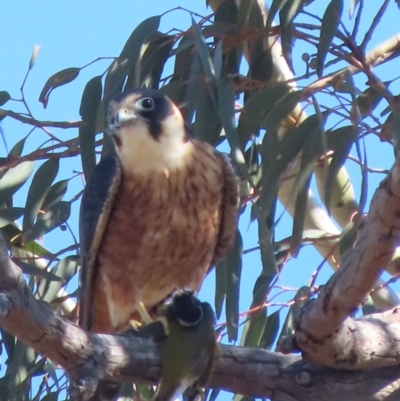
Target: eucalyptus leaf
{"type": "Point", "coordinates": [330, 23]}
{"type": "Point", "coordinates": [233, 273]}
{"type": "Point", "coordinates": [40, 185]}
{"type": "Point", "coordinates": [13, 179]}
{"type": "Point", "coordinates": [59, 78]}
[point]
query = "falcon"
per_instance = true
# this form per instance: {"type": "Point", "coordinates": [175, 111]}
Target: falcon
{"type": "Point", "coordinates": [156, 215]}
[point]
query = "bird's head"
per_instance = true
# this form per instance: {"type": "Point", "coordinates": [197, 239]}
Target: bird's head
{"type": "Point", "coordinates": [148, 130]}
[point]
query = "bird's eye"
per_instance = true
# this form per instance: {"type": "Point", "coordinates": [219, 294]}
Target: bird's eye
{"type": "Point", "coordinates": [145, 104]}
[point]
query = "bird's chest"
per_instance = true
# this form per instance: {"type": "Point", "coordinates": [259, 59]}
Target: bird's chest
{"type": "Point", "coordinates": [161, 233]}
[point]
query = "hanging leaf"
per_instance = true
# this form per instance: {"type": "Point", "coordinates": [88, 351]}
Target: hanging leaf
{"type": "Point", "coordinates": [340, 141]}
{"type": "Point", "coordinates": [330, 23]}
{"type": "Point", "coordinates": [90, 103]}
{"type": "Point", "coordinates": [226, 105]}
{"type": "Point", "coordinates": [207, 125]}
{"type": "Point", "coordinates": [220, 287]}
{"type": "Point", "coordinates": [13, 179]}
{"type": "Point", "coordinates": [152, 62]}
{"type": "Point", "coordinates": [233, 272]}
{"type": "Point", "coordinates": [9, 215]}
{"type": "Point", "coordinates": [36, 271]}
{"type": "Point", "coordinates": [55, 194]}
{"type": "Point", "coordinates": [281, 109]}
{"type": "Point", "coordinates": [276, 6]}
{"type": "Point", "coordinates": [40, 185]}
{"type": "Point", "coordinates": [52, 218]}
{"type": "Point", "coordinates": [4, 97]}
{"type": "Point", "coordinates": [271, 331]}
{"type": "Point", "coordinates": [129, 56]}
{"type": "Point", "coordinates": [59, 78]}
{"type": "Point", "coordinates": [17, 149]}
{"type": "Point", "coordinates": [368, 101]}
{"type": "Point", "coordinates": [243, 13]}
{"type": "Point", "coordinates": [203, 51]}
{"type": "Point", "coordinates": [254, 329]}
{"type": "Point", "coordinates": [65, 269]}
{"type": "Point", "coordinates": [257, 107]}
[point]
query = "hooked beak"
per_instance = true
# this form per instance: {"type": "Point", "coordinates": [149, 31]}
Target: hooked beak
{"type": "Point", "coordinates": [123, 116]}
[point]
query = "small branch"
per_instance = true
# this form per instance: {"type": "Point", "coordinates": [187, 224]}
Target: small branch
{"type": "Point", "coordinates": [37, 123]}
{"type": "Point", "coordinates": [374, 24]}
{"type": "Point", "coordinates": [325, 333]}
{"type": "Point", "coordinates": [380, 54]}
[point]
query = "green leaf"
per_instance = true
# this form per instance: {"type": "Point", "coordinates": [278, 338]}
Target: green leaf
{"type": "Point", "coordinates": [254, 329]}
{"type": "Point", "coordinates": [13, 179]}
{"type": "Point", "coordinates": [203, 51]}
{"type": "Point", "coordinates": [36, 271]}
{"type": "Point", "coordinates": [152, 62]}
{"type": "Point", "coordinates": [218, 58]}
{"type": "Point", "coordinates": [90, 103]}
{"type": "Point", "coordinates": [220, 287]}
{"type": "Point", "coordinates": [90, 100]}
{"type": "Point", "coordinates": [233, 271]}
{"type": "Point", "coordinates": [353, 5]}
{"type": "Point", "coordinates": [59, 78]}
{"type": "Point", "coordinates": [54, 217]}
{"type": "Point", "coordinates": [256, 108]}
{"type": "Point", "coordinates": [281, 109]}
{"type": "Point", "coordinates": [262, 67]}
{"type": "Point", "coordinates": [226, 105]}
{"type": "Point", "coordinates": [330, 23]}
{"type": "Point", "coordinates": [55, 194]}
{"type": "Point", "coordinates": [286, 340]}
{"type": "Point", "coordinates": [17, 149]}
{"type": "Point", "coordinates": [244, 12]}
{"type": "Point", "coordinates": [207, 125]}
{"type": "Point", "coordinates": [276, 6]}
{"type": "Point", "coordinates": [40, 185]}
{"type": "Point", "coordinates": [270, 331]}
{"type": "Point", "coordinates": [313, 148]}
{"type": "Point", "coordinates": [129, 56]}
{"type": "Point", "coordinates": [4, 97]}
{"type": "Point", "coordinates": [340, 141]}
{"type": "Point", "coordinates": [65, 269]}
{"type": "Point", "coordinates": [37, 250]}
{"type": "Point", "coordinates": [288, 12]}
{"type": "Point", "coordinates": [300, 215]}
{"type": "Point", "coordinates": [9, 215]}
{"type": "Point", "coordinates": [368, 101]}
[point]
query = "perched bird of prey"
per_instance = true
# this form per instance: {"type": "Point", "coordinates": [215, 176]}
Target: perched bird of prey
{"type": "Point", "coordinates": [156, 214]}
{"type": "Point", "coordinates": [190, 348]}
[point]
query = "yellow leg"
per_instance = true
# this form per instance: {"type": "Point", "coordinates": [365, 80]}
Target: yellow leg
{"type": "Point", "coordinates": [144, 314]}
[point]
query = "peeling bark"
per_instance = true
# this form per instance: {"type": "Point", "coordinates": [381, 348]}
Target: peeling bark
{"type": "Point", "coordinates": [324, 331]}
{"type": "Point", "coordinates": [88, 357]}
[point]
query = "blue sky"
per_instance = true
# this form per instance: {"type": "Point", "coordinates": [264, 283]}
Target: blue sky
{"type": "Point", "coordinates": [73, 33]}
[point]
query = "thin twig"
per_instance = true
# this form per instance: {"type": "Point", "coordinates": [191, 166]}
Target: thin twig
{"type": "Point", "coordinates": [374, 24]}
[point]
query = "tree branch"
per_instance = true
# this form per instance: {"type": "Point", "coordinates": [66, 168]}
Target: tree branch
{"type": "Point", "coordinates": [88, 357]}
{"type": "Point", "coordinates": [325, 333]}
{"type": "Point", "coordinates": [38, 123]}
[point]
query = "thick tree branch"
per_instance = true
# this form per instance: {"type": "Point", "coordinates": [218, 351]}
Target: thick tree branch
{"type": "Point", "coordinates": [88, 357]}
{"type": "Point", "coordinates": [325, 333]}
